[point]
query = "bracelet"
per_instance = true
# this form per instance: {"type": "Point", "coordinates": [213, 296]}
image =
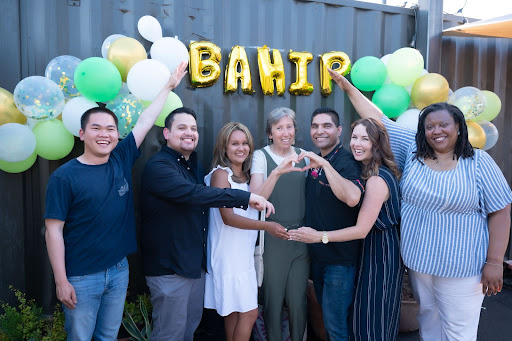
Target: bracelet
{"type": "Point", "coordinates": [500, 265]}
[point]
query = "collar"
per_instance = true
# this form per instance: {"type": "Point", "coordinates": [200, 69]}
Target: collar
{"type": "Point", "coordinates": [178, 156]}
{"type": "Point", "coordinates": [333, 152]}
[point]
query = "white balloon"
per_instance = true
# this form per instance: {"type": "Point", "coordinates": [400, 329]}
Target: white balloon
{"type": "Point", "coordinates": [147, 78]}
{"type": "Point", "coordinates": [73, 111]}
{"type": "Point", "coordinates": [169, 51]}
{"type": "Point", "coordinates": [409, 119]}
{"type": "Point", "coordinates": [149, 28]}
{"type": "Point", "coordinates": [385, 59]}
{"type": "Point", "coordinates": [107, 42]}
{"type": "Point", "coordinates": [17, 142]}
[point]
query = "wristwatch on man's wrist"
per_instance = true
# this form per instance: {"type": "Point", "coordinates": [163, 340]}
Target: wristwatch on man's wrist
{"type": "Point", "coordinates": [325, 238]}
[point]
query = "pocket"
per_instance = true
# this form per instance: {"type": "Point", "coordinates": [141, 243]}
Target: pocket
{"type": "Point", "coordinates": [76, 279]}
{"type": "Point", "coordinates": [123, 264]}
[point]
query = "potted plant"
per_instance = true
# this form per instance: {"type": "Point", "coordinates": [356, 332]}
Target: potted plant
{"type": "Point", "coordinates": [409, 308]}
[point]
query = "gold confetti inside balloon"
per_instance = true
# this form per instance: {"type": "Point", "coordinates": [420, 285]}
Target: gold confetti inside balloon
{"type": "Point", "coordinates": [476, 135]}
{"type": "Point", "coordinates": [61, 70]}
{"type": "Point", "coordinates": [124, 53]}
{"type": "Point", "coordinates": [337, 61]}
{"type": "Point", "coordinates": [8, 111]}
{"type": "Point", "coordinates": [204, 64]}
{"type": "Point", "coordinates": [127, 109]}
{"type": "Point", "coordinates": [238, 57]}
{"type": "Point", "coordinates": [301, 85]}
{"type": "Point", "coordinates": [470, 101]}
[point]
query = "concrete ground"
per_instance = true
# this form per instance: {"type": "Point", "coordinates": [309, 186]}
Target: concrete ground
{"type": "Point", "coordinates": [495, 319]}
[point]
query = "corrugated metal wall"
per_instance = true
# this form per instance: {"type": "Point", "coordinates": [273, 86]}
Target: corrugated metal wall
{"type": "Point", "coordinates": [33, 32]}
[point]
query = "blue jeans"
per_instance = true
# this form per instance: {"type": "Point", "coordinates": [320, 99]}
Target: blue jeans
{"type": "Point", "coordinates": [334, 288]}
{"type": "Point", "coordinates": [100, 304]}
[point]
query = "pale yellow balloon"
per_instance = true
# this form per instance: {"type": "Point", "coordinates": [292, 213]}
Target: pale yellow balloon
{"type": "Point", "coordinates": [124, 53]}
{"type": "Point", "coordinates": [476, 135]}
{"type": "Point", "coordinates": [428, 89]}
{"type": "Point", "coordinates": [9, 113]}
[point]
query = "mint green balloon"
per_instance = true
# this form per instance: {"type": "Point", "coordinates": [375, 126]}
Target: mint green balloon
{"type": "Point", "coordinates": [98, 79]}
{"type": "Point", "coordinates": [20, 166]}
{"type": "Point", "coordinates": [392, 99]}
{"type": "Point", "coordinates": [54, 141]}
{"type": "Point", "coordinates": [173, 102]}
{"type": "Point", "coordinates": [368, 73]}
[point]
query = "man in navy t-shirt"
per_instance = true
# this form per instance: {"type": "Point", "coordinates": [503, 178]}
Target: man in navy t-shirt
{"type": "Point", "coordinates": [90, 226]}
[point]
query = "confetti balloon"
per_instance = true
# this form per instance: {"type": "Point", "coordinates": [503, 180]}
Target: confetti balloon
{"type": "Point", "coordinates": [20, 166]}
{"type": "Point", "coordinates": [127, 109]}
{"type": "Point", "coordinates": [61, 70]}
{"type": "Point", "coordinates": [17, 142]}
{"type": "Point", "coordinates": [8, 111]}
{"type": "Point", "coordinates": [53, 140]}
{"type": "Point", "coordinates": [470, 101]}
{"type": "Point", "coordinates": [38, 98]}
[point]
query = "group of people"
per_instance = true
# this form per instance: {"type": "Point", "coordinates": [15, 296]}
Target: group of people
{"type": "Point", "coordinates": [426, 198]}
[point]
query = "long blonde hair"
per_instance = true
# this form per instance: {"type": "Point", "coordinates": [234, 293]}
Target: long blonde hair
{"type": "Point", "coordinates": [220, 157]}
{"type": "Point", "coordinates": [381, 149]}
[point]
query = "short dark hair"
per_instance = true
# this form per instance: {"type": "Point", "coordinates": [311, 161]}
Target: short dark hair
{"type": "Point", "coordinates": [97, 110]}
{"type": "Point", "coordinates": [183, 110]}
{"type": "Point", "coordinates": [462, 147]}
{"type": "Point", "coordinates": [328, 111]}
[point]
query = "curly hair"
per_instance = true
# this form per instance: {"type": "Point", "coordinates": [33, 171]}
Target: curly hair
{"type": "Point", "coordinates": [381, 149]}
{"type": "Point", "coordinates": [219, 152]}
{"type": "Point", "coordinates": [463, 147]}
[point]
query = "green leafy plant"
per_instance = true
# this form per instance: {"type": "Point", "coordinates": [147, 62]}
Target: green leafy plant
{"type": "Point", "coordinates": [137, 318]}
{"type": "Point", "coordinates": [27, 321]}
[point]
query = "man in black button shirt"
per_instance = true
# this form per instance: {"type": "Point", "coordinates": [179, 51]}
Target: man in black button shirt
{"type": "Point", "coordinates": [175, 205]}
{"type": "Point", "coordinates": [333, 192]}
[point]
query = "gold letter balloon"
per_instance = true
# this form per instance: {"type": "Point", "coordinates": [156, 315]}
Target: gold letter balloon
{"type": "Point", "coordinates": [124, 53]}
{"type": "Point", "coordinates": [301, 85]}
{"type": "Point", "coordinates": [271, 71]}
{"type": "Point", "coordinates": [328, 60]}
{"type": "Point", "coordinates": [231, 76]}
{"type": "Point", "coordinates": [204, 71]}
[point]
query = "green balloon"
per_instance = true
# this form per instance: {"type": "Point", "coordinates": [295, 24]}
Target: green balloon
{"type": "Point", "coordinates": [492, 108]}
{"type": "Point", "coordinates": [53, 140]}
{"type": "Point", "coordinates": [98, 79]}
{"type": "Point", "coordinates": [392, 99]}
{"type": "Point", "coordinates": [405, 66]}
{"type": "Point", "coordinates": [368, 73]}
{"type": "Point", "coordinates": [173, 102]}
{"type": "Point", "coordinates": [20, 166]}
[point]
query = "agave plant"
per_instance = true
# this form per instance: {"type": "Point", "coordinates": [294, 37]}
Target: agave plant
{"type": "Point", "coordinates": [132, 328]}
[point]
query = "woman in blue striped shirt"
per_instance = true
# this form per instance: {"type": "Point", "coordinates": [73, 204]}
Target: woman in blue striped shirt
{"type": "Point", "coordinates": [455, 217]}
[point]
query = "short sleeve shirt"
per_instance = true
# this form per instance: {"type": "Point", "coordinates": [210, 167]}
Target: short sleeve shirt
{"type": "Point", "coordinates": [96, 204]}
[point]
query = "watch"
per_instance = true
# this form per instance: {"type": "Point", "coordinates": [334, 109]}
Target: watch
{"type": "Point", "coordinates": [325, 238]}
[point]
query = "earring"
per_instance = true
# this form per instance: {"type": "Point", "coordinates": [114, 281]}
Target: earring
{"type": "Point", "coordinates": [458, 133]}
{"type": "Point", "coordinates": [271, 140]}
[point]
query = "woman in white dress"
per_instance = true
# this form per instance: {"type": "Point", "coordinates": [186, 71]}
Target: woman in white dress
{"type": "Point", "coordinates": [231, 286]}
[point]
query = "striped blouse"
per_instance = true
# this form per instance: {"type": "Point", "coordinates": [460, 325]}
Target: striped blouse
{"type": "Point", "coordinates": [444, 228]}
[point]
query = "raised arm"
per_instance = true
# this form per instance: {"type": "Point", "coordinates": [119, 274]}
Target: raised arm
{"type": "Point", "coordinates": [55, 246]}
{"type": "Point", "coordinates": [499, 229]}
{"type": "Point", "coordinates": [220, 180]}
{"type": "Point", "coordinates": [345, 190]}
{"type": "Point", "coordinates": [364, 107]}
{"type": "Point", "coordinates": [377, 192]}
{"type": "Point", "coordinates": [148, 117]}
